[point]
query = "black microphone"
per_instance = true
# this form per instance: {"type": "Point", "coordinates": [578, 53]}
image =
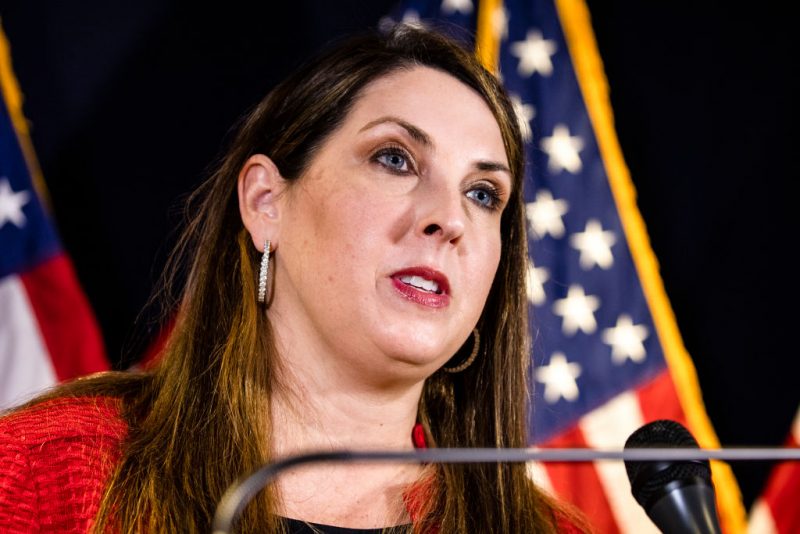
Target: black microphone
{"type": "Point", "coordinates": [677, 495]}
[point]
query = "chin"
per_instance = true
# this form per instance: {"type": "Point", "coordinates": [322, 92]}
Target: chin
{"type": "Point", "coordinates": [421, 348]}
{"type": "Point", "coordinates": [424, 358]}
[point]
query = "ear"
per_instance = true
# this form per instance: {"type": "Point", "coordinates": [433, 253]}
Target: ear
{"type": "Point", "coordinates": [260, 189]}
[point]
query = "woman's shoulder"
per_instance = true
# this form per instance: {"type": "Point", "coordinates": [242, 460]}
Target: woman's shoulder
{"type": "Point", "coordinates": [55, 459]}
{"type": "Point", "coordinates": [73, 419]}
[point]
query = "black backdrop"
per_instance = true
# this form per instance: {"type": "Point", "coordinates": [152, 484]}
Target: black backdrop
{"type": "Point", "coordinates": [130, 103]}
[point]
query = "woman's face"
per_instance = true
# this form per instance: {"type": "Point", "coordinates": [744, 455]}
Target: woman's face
{"type": "Point", "coordinates": [388, 245]}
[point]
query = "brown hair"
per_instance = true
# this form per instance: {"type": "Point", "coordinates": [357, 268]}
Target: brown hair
{"type": "Point", "coordinates": [197, 420]}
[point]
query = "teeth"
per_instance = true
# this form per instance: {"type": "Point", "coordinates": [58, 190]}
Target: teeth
{"type": "Point", "coordinates": [420, 283]}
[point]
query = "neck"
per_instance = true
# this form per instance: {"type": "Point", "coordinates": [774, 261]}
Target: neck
{"type": "Point", "coordinates": [313, 411]}
{"type": "Point", "coordinates": [328, 396]}
{"type": "Point", "coordinates": [322, 413]}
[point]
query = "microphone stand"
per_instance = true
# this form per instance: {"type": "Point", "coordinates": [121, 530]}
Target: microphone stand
{"type": "Point", "coordinates": [240, 493]}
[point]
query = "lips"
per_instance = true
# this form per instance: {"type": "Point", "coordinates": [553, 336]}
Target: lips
{"type": "Point", "coordinates": [425, 286]}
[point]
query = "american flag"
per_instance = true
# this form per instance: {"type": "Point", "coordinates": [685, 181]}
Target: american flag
{"type": "Point", "coordinates": [776, 510]}
{"type": "Point", "coordinates": [47, 330]}
{"type": "Point", "coordinates": [607, 353]}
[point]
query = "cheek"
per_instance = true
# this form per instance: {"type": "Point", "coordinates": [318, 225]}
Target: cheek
{"type": "Point", "coordinates": [329, 218]}
{"type": "Point", "coordinates": [366, 220]}
{"type": "Point", "coordinates": [347, 235]}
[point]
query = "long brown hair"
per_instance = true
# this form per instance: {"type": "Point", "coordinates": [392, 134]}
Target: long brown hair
{"type": "Point", "coordinates": [199, 419]}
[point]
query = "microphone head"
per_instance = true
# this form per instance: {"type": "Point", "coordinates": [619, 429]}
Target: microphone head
{"type": "Point", "coordinates": [650, 480]}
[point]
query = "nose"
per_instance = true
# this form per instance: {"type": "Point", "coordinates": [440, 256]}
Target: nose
{"type": "Point", "coordinates": [441, 214]}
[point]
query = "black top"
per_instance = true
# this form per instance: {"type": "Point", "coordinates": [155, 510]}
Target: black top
{"type": "Point", "coordinates": [296, 526]}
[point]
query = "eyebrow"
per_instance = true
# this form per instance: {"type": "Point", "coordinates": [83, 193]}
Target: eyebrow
{"type": "Point", "coordinates": [415, 133]}
{"type": "Point", "coordinates": [491, 166]}
{"type": "Point", "coordinates": [425, 140]}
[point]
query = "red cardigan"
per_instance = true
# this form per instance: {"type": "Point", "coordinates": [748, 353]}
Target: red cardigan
{"type": "Point", "coordinates": [55, 460]}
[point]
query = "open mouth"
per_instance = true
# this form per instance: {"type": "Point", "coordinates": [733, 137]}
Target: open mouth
{"type": "Point", "coordinates": [423, 285]}
{"type": "Point", "coordinates": [431, 286]}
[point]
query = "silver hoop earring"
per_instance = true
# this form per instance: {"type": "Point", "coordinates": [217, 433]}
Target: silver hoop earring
{"type": "Point", "coordinates": [476, 345]}
{"type": "Point", "coordinates": [263, 273]}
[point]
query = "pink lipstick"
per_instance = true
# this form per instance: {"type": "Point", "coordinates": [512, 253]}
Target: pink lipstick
{"type": "Point", "coordinates": [423, 285]}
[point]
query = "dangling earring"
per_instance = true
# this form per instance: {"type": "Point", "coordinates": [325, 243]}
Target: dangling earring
{"type": "Point", "coordinates": [476, 345]}
{"type": "Point", "coordinates": [262, 274]}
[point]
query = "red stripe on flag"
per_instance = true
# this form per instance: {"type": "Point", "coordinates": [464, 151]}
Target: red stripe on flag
{"type": "Point", "coordinates": [782, 492]}
{"type": "Point", "coordinates": [659, 400]}
{"type": "Point", "coordinates": [782, 496]}
{"type": "Point", "coordinates": [67, 323]}
{"type": "Point", "coordinates": [578, 483]}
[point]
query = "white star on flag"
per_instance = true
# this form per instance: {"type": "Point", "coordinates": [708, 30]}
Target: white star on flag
{"type": "Point", "coordinates": [544, 215]}
{"type": "Point", "coordinates": [577, 309]}
{"type": "Point", "coordinates": [594, 245]}
{"type": "Point", "coordinates": [536, 277]}
{"type": "Point", "coordinates": [11, 204]}
{"type": "Point", "coordinates": [626, 340]}
{"type": "Point", "coordinates": [500, 22]}
{"type": "Point", "coordinates": [562, 150]}
{"type": "Point", "coordinates": [525, 114]}
{"type": "Point", "coordinates": [534, 54]}
{"type": "Point", "coordinates": [460, 6]}
{"type": "Point", "coordinates": [558, 378]}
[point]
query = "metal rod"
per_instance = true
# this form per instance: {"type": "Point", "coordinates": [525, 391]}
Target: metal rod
{"type": "Point", "coordinates": [240, 493]}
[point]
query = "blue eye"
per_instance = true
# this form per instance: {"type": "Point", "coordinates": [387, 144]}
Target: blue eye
{"type": "Point", "coordinates": [485, 196]}
{"type": "Point", "coordinates": [394, 159]}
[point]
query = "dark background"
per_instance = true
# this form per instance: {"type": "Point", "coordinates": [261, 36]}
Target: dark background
{"type": "Point", "coordinates": [131, 103]}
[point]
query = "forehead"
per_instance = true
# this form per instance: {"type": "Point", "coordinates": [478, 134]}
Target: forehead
{"type": "Point", "coordinates": [437, 103]}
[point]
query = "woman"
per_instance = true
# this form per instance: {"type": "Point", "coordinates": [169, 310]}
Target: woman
{"type": "Point", "coordinates": [373, 202]}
